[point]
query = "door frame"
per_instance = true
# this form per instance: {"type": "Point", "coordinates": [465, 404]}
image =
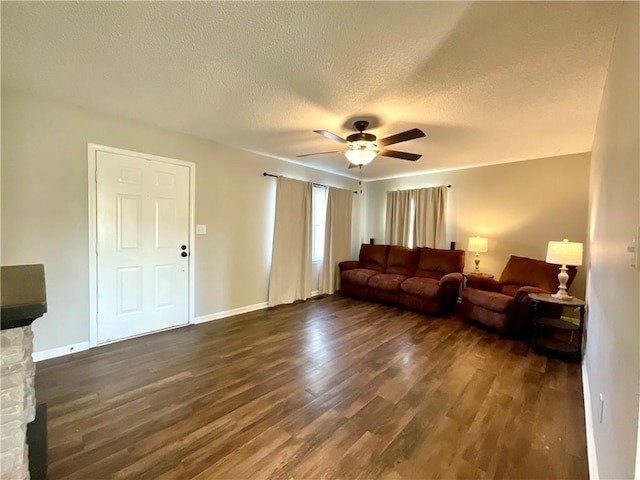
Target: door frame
{"type": "Point", "coordinates": [92, 158]}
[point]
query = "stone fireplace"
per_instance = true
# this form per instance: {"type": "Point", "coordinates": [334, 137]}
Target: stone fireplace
{"type": "Point", "coordinates": [23, 300]}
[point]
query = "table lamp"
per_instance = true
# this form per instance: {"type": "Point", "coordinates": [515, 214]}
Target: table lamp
{"type": "Point", "coordinates": [477, 244]}
{"type": "Point", "coordinates": [564, 253]}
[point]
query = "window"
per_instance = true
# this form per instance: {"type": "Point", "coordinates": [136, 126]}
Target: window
{"type": "Point", "coordinates": [319, 206]}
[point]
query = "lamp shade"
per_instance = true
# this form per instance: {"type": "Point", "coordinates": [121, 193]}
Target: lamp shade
{"type": "Point", "coordinates": [360, 156]}
{"type": "Point", "coordinates": [564, 253]}
{"type": "Point", "coordinates": [478, 244]}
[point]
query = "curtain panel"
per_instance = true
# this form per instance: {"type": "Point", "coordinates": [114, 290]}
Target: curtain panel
{"type": "Point", "coordinates": [417, 218]}
{"type": "Point", "coordinates": [291, 267]}
{"type": "Point", "coordinates": [399, 218]}
{"type": "Point", "coordinates": [430, 217]}
{"type": "Point", "coordinates": [337, 237]}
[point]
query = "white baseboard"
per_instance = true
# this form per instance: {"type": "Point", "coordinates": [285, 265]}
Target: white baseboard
{"type": "Point", "coordinates": [230, 313]}
{"type": "Point", "coordinates": [588, 420]}
{"type": "Point", "coordinates": [60, 351]}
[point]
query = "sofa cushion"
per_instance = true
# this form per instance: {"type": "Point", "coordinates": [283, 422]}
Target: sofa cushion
{"type": "Point", "coordinates": [494, 301]}
{"type": "Point", "coordinates": [402, 260]}
{"type": "Point", "coordinates": [389, 282]}
{"type": "Point", "coordinates": [435, 262]}
{"type": "Point", "coordinates": [357, 276]}
{"type": "Point", "coordinates": [374, 257]}
{"type": "Point", "coordinates": [423, 287]}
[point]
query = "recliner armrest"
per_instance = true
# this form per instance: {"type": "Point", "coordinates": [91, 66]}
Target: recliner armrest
{"type": "Point", "coordinates": [453, 277]}
{"type": "Point", "coordinates": [527, 290]}
{"type": "Point", "coordinates": [483, 283]}
{"type": "Point", "coordinates": [348, 265]}
{"type": "Point", "coordinates": [522, 295]}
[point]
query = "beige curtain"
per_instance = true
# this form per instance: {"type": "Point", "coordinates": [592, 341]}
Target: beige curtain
{"type": "Point", "coordinates": [399, 218]}
{"type": "Point", "coordinates": [337, 237]}
{"type": "Point", "coordinates": [430, 217]}
{"type": "Point", "coordinates": [291, 267]}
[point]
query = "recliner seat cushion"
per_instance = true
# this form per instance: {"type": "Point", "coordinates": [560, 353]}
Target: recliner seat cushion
{"type": "Point", "coordinates": [389, 282]}
{"type": "Point", "coordinates": [494, 301]}
{"type": "Point", "coordinates": [510, 289]}
{"type": "Point", "coordinates": [358, 276]}
{"type": "Point", "coordinates": [428, 288]}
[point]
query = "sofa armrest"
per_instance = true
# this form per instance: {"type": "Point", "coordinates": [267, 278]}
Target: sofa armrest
{"type": "Point", "coordinates": [348, 265]}
{"type": "Point", "coordinates": [453, 277]}
{"type": "Point", "coordinates": [483, 283]}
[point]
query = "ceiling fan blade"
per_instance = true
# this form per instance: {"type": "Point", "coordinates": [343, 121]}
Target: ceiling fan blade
{"type": "Point", "coordinates": [401, 137]}
{"type": "Point", "coordinates": [319, 153]}
{"type": "Point", "coordinates": [403, 155]}
{"type": "Point", "coordinates": [331, 136]}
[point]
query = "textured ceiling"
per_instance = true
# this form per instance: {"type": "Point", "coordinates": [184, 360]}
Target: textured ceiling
{"type": "Point", "coordinates": [488, 82]}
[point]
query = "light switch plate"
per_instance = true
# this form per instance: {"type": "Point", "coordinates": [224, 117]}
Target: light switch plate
{"type": "Point", "coordinates": [201, 229]}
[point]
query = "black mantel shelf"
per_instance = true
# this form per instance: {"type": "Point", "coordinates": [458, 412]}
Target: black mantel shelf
{"type": "Point", "coordinates": [24, 297]}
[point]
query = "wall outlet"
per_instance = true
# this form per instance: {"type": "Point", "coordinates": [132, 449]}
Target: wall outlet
{"type": "Point", "coordinates": [201, 229]}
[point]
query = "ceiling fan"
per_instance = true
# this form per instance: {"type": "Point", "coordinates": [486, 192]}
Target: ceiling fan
{"type": "Point", "coordinates": [364, 147]}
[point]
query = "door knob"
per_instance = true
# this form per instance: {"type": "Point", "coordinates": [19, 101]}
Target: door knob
{"type": "Point", "coordinates": [183, 247]}
{"type": "Point", "coordinates": [184, 254]}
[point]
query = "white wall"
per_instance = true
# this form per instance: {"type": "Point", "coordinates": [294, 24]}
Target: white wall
{"type": "Point", "coordinates": [518, 206]}
{"type": "Point", "coordinates": [45, 209]}
{"type": "Point", "coordinates": [612, 360]}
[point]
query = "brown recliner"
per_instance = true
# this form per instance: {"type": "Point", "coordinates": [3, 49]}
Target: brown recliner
{"type": "Point", "coordinates": [504, 304]}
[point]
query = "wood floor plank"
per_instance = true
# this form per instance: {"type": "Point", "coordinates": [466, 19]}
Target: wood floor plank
{"type": "Point", "coordinates": [468, 403]}
{"type": "Point", "coordinates": [329, 388]}
{"type": "Point", "coordinates": [482, 437]}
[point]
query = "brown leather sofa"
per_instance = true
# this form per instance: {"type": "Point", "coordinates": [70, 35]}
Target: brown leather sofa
{"type": "Point", "coordinates": [424, 279]}
{"type": "Point", "coordinates": [504, 305]}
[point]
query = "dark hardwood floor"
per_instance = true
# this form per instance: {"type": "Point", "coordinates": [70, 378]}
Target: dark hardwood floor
{"type": "Point", "coordinates": [329, 388]}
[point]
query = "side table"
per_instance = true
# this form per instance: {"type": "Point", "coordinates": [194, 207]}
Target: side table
{"type": "Point", "coordinates": [481, 274]}
{"type": "Point", "coordinates": [552, 345]}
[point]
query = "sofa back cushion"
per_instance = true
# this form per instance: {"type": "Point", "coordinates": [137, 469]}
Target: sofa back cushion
{"type": "Point", "coordinates": [402, 260]}
{"type": "Point", "coordinates": [374, 257]}
{"type": "Point", "coordinates": [436, 263]}
{"type": "Point", "coordinates": [521, 271]}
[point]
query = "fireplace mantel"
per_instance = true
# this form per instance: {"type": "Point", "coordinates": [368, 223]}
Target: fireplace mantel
{"type": "Point", "coordinates": [23, 297]}
{"type": "Point", "coordinates": [22, 301]}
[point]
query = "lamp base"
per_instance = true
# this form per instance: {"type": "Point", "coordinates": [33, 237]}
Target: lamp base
{"type": "Point", "coordinates": [562, 295]}
{"type": "Point", "coordinates": [562, 288]}
{"type": "Point", "coordinates": [476, 260]}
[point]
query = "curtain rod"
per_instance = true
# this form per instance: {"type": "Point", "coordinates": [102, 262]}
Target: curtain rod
{"type": "Point", "coordinates": [315, 184]}
{"type": "Point", "coordinates": [448, 186]}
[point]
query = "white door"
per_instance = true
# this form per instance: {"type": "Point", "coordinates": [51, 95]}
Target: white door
{"type": "Point", "coordinates": [142, 245]}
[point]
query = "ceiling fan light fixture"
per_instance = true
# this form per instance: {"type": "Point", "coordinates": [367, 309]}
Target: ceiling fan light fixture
{"type": "Point", "coordinates": [361, 153]}
{"type": "Point", "coordinates": [363, 147]}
